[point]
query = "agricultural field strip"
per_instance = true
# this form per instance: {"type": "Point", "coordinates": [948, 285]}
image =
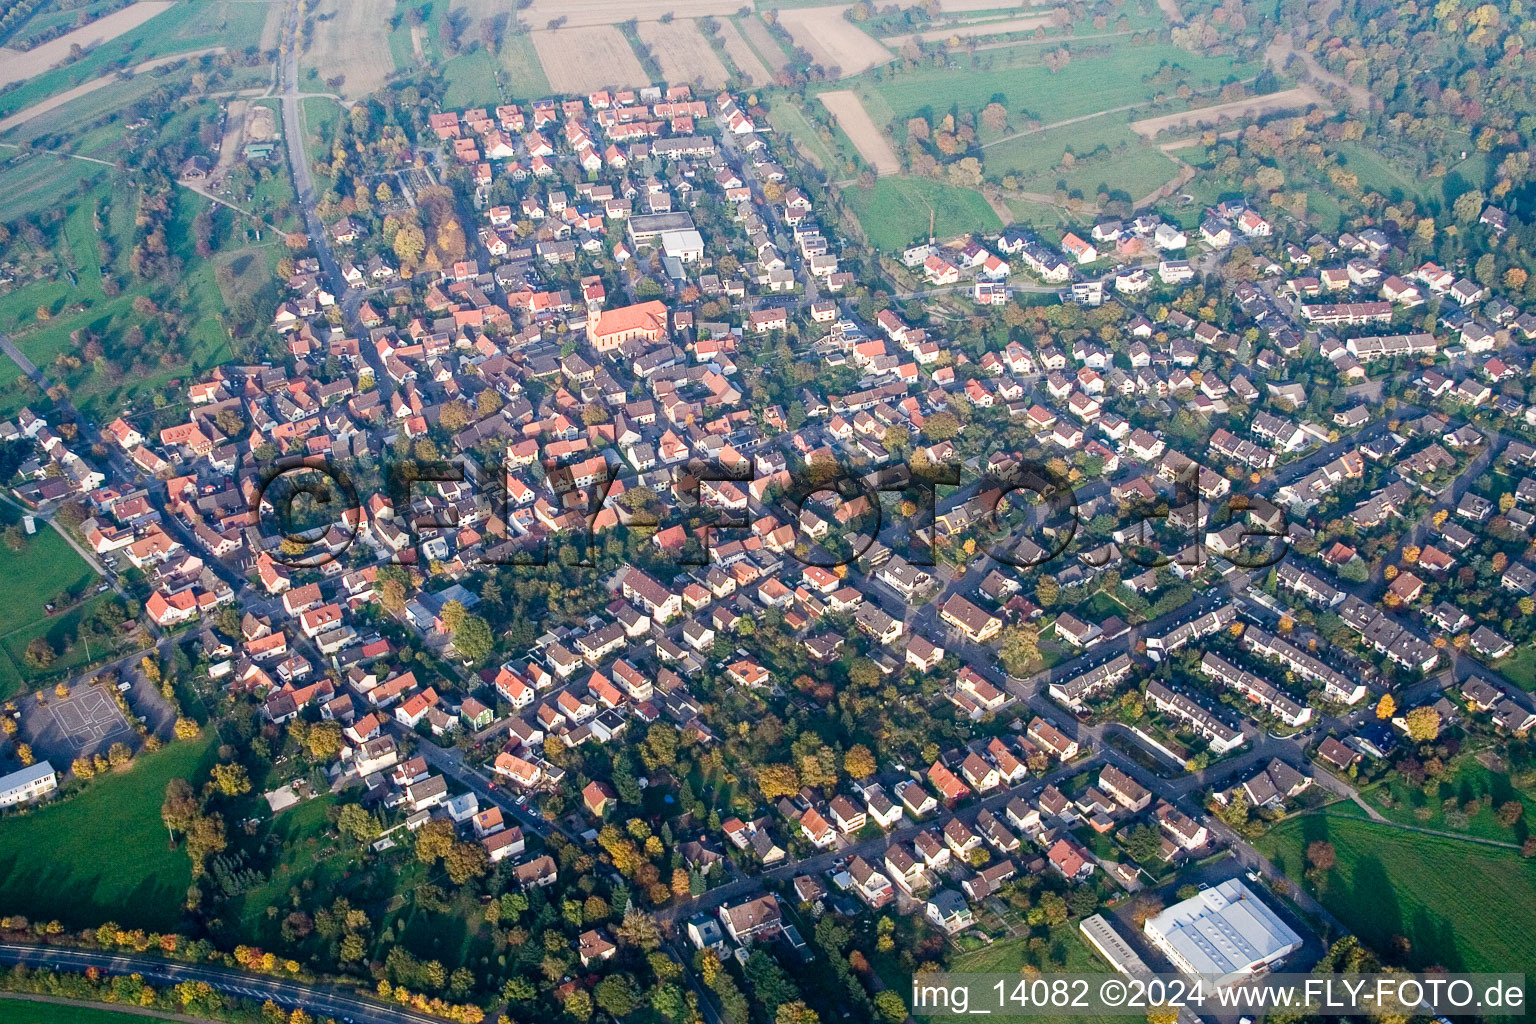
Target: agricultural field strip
{"type": "Point", "coordinates": [873, 144]}
{"type": "Point", "coordinates": [577, 13]}
{"type": "Point", "coordinates": [983, 28]}
{"type": "Point", "coordinates": [742, 55]}
{"type": "Point", "coordinates": [1253, 106]}
{"type": "Point", "coordinates": [351, 40]}
{"type": "Point", "coordinates": [19, 65]}
{"type": "Point", "coordinates": [85, 88]}
{"type": "Point", "coordinates": [832, 40]}
{"type": "Point", "coordinates": [683, 52]}
{"type": "Point", "coordinates": [583, 59]}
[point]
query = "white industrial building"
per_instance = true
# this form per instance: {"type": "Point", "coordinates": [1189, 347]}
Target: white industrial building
{"type": "Point", "coordinates": [28, 784]}
{"type": "Point", "coordinates": [1224, 933]}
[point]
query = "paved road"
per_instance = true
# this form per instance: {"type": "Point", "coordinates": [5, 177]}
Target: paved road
{"type": "Point", "coordinates": [315, 999]}
{"type": "Point", "coordinates": [351, 299]}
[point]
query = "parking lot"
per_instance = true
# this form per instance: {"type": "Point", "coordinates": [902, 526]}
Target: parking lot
{"type": "Point", "coordinates": [88, 721]}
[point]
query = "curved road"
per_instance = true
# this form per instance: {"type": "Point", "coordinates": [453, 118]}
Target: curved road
{"type": "Point", "coordinates": [325, 999]}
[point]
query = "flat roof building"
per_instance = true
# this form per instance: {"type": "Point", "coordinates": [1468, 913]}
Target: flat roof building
{"type": "Point", "coordinates": [1105, 938]}
{"type": "Point", "coordinates": [1224, 933]}
{"type": "Point", "coordinates": [28, 784]}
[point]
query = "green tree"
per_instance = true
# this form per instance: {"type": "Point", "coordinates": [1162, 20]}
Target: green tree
{"type": "Point", "coordinates": [618, 995]}
{"type": "Point", "coordinates": [473, 639]}
{"type": "Point", "coordinates": [356, 822]}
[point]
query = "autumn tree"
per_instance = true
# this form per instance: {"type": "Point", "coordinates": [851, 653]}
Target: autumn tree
{"type": "Point", "coordinates": [776, 780]}
{"type": "Point", "coordinates": [231, 779]}
{"type": "Point", "coordinates": [179, 807]}
{"type": "Point", "coordinates": [1386, 707]}
{"type": "Point", "coordinates": [1423, 724]}
{"type": "Point", "coordinates": [858, 762]}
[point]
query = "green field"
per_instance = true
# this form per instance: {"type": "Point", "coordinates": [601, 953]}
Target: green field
{"type": "Point", "coordinates": [471, 79]}
{"type": "Point", "coordinates": [44, 569]}
{"type": "Point", "coordinates": [1007, 956]}
{"type": "Point", "coordinates": [26, 1012]}
{"type": "Point", "coordinates": [1453, 901]}
{"type": "Point", "coordinates": [183, 28]}
{"type": "Point", "coordinates": [1019, 79]}
{"type": "Point", "coordinates": [1470, 781]}
{"type": "Point", "coordinates": [895, 212]}
{"type": "Point", "coordinates": [32, 182]}
{"type": "Point", "coordinates": [55, 862]}
{"type": "Point", "coordinates": [787, 119]}
{"type": "Point", "coordinates": [1377, 173]}
{"type": "Point", "coordinates": [304, 857]}
{"type": "Point", "coordinates": [522, 73]}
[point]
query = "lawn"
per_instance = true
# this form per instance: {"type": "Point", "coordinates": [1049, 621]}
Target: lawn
{"type": "Point", "coordinates": [1377, 172]}
{"type": "Point", "coordinates": [1454, 901]}
{"type": "Point", "coordinates": [1519, 667]}
{"type": "Point", "coordinates": [103, 855]}
{"type": "Point", "coordinates": [321, 117]}
{"type": "Point", "coordinates": [1007, 956]}
{"type": "Point", "coordinates": [27, 1012]}
{"type": "Point", "coordinates": [304, 855]}
{"type": "Point", "coordinates": [1412, 806]}
{"type": "Point", "coordinates": [894, 212]}
{"type": "Point", "coordinates": [1040, 153]}
{"type": "Point", "coordinates": [787, 119]}
{"type": "Point", "coordinates": [62, 632]}
{"type": "Point", "coordinates": [45, 568]}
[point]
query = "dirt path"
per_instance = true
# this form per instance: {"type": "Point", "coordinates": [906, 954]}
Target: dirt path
{"type": "Point", "coordinates": [416, 45]}
{"type": "Point", "coordinates": [1249, 107]}
{"type": "Point", "coordinates": [54, 102]}
{"type": "Point", "coordinates": [1000, 208]}
{"type": "Point", "coordinates": [1062, 124]}
{"type": "Point", "coordinates": [1283, 47]}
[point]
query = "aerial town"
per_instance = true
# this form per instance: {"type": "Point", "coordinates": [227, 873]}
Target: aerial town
{"type": "Point", "coordinates": [596, 576]}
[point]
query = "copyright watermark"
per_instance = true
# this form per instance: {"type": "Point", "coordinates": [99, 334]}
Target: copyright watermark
{"type": "Point", "coordinates": [942, 994]}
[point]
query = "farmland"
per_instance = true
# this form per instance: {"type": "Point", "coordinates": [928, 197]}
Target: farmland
{"type": "Point", "coordinates": [1117, 74]}
{"type": "Point", "coordinates": [895, 211]}
{"type": "Point", "coordinates": [832, 40]}
{"type": "Point", "coordinates": [683, 53]}
{"type": "Point", "coordinates": [581, 60]}
{"type": "Point", "coordinates": [761, 40]}
{"type": "Point", "coordinates": [525, 76]}
{"type": "Point", "coordinates": [1005, 26]}
{"type": "Point", "coordinates": [1457, 908]}
{"type": "Point", "coordinates": [183, 30]}
{"type": "Point", "coordinates": [58, 849]}
{"type": "Point", "coordinates": [20, 66]}
{"type": "Point", "coordinates": [873, 144]}
{"type": "Point", "coordinates": [742, 55]}
{"type": "Point", "coordinates": [612, 12]}
{"type": "Point", "coordinates": [350, 41]}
